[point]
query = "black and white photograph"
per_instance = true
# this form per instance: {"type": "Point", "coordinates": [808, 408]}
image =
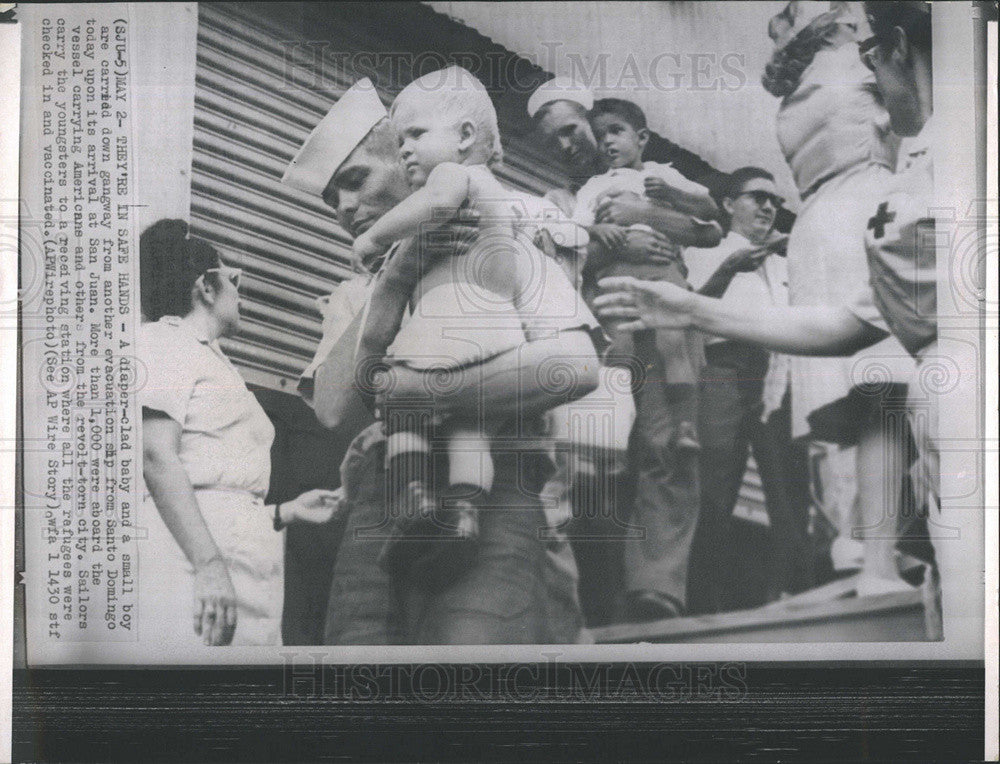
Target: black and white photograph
{"type": "Point", "coordinates": [475, 332]}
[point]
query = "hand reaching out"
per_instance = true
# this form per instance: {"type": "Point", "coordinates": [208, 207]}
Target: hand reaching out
{"type": "Point", "coordinates": [777, 243]}
{"type": "Point", "coordinates": [746, 260]}
{"type": "Point", "coordinates": [316, 506]}
{"type": "Point", "coordinates": [643, 304]}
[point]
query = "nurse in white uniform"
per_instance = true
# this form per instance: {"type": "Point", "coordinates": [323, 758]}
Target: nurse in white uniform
{"type": "Point", "coordinates": [211, 567]}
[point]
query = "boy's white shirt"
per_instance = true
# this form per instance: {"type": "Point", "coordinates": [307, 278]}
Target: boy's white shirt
{"type": "Point", "coordinates": [627, 179]}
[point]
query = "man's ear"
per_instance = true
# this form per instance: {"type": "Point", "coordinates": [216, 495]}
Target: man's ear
{"type": "Point", "coordinates": [203, 291]}
{"type": "Point", "coordinates": [900, 46]}
{"type": "Point", "coordinates": [727, 205]}
{"type": "Point", "coordinates": [467, 134]}
{"type": "Point", "coordinates": [643, 134]}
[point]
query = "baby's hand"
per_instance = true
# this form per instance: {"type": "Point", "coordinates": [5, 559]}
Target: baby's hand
{"type": "Point", "coordinates": [610, 236]}
{"type": "Point", "coordinates": [545, 242]}
{"type": "Point", "coordinates": [364, 249]}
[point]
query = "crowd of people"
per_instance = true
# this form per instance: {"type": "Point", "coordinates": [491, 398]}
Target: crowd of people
{"type": "Point", "coordinates": [551, 402]}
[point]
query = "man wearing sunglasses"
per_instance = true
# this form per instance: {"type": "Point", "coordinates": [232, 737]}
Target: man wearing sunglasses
{"type": "Point", "coordinates": [900, 245]}
{"type": "Point", "coordinates": [744, 403]}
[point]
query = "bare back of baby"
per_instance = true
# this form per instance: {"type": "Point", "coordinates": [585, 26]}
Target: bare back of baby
{"type": "Point", "coordinates": [467, 308]}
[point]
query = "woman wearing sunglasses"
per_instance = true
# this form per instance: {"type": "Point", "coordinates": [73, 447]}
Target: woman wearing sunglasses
{"type": "Point", "coordinates": [211, 568]}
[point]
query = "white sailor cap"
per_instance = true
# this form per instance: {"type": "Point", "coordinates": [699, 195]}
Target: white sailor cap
{"type": "Point", "coordinates": [347, 123]}
{"type": "Point", "coordinates": [560, 89]}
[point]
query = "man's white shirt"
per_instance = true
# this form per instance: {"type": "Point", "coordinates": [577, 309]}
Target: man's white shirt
{"type": "Point", "coordinates": [768, 285]}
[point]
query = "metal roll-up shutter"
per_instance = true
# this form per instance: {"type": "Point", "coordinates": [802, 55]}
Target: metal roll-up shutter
{"type": "Point", "coordinates": [248, 125]}
{"type": "Point", "coordinates": [252, 112]}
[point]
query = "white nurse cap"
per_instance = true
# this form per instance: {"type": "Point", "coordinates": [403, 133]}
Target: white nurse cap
{"type": "Point", "coordinates": [347, 123]}
{"type": "Point", "coordinates": [560, 89]}
{"type": "Point", "coordinates": [799, 14]}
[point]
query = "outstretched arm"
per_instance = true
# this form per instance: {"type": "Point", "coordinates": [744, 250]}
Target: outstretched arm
{"type": "Point", "coordinates": [425, 209]}
{"type": "Point", "coordinates": [797, 330]}
{"type": "Point", "coordinates": [744, 260]}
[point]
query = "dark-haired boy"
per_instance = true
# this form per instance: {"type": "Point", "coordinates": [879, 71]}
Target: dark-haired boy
{"type": "Point", "coordinates": [665, 363]}
{"type": "Point", "coordinates": [620, 130]}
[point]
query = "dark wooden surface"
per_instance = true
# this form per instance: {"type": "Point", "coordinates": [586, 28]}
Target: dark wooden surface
{"type": "Point", "coordinates": [895, 617]}
{"type": "Point", "coordinates": [714, 712]}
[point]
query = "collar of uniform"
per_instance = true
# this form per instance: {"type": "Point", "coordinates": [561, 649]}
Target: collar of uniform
{"type": "Point", "coordinates": [380, 262]}
{"type": "Point", "coordinates": [920, 143]}
{"type": "Point", "coordinates": [738, 240]}
{"type": "Point", "coordinates": [179, 323]}
{"type": "Point", "coordinates": [623, 170]}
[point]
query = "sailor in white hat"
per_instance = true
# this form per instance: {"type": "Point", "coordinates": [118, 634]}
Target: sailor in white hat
{"type": "Point", "coordinates": [350, 160]}
{"type": "Point", "coordinates": [560, 89]}
{"type": "Point", "coordinates": [559, 109]}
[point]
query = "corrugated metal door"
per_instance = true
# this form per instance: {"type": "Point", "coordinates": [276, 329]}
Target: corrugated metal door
{"type": "Point", "coordinates": [252, 112]}
{"type": "Point", "coordinates": [248, 125]}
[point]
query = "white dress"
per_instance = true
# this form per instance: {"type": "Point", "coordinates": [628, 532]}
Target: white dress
{"type": "Point", "coordinates": [835, 137]}
{"type": "Point", "coordinates": [225, 448]}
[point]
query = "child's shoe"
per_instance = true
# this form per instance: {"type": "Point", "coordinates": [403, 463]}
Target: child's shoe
{"type": "Point", "coordinates": [686, 439]}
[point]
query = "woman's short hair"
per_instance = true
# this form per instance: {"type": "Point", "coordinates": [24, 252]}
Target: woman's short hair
{"type": "Point", "coordinates": [170, 261]}
{"type": "Point", "coordinates": [784, 71]}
